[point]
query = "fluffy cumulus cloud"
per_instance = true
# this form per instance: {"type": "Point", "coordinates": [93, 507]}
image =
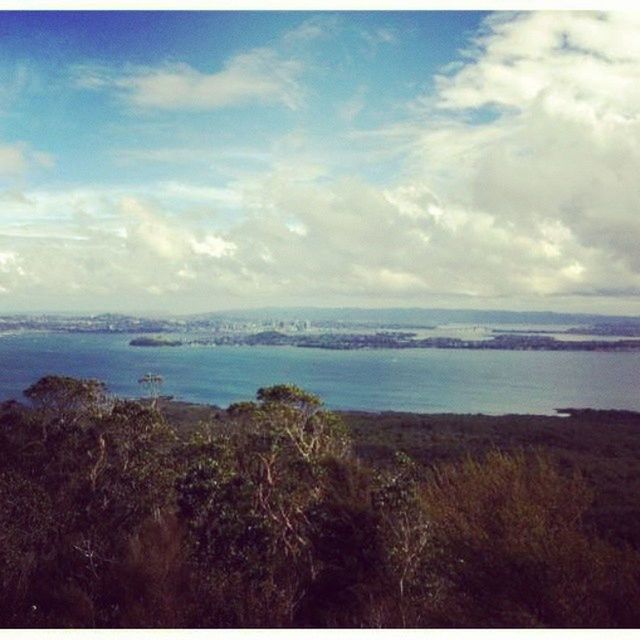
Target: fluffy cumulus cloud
{"type": "Point", "coordinates": [520, 180]}
{"type": "Point", "coordinates": [539, 133]}
{"type": "Point", "coordinates": [105, 245]}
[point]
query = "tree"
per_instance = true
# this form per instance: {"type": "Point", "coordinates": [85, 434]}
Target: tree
{"type": "Point", "coordinates": [152, 383]}
{"type": "Point", "coordinates": [61, 401]}
{"type": "Point", "coordinates": [348, 584]}
{"type": "Point", "coordinates": [246, 495]}
{"type": "Point", "coordinates": [406, 531]}
{"type": "Point", "coordinates": [104, 467]}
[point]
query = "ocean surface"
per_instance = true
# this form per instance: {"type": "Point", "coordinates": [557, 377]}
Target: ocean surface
{"type": "Point", "coordinates": [421, 380]}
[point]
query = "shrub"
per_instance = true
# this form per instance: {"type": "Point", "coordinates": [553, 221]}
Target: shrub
{"type": "Point", "coordinates": [509, 549]}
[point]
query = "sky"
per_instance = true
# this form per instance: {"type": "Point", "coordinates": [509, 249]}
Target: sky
{"type": "Point", "coordinates": [199, 161]}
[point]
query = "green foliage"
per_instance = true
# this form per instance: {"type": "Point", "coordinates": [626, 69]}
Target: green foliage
{"type": "Point", "coordinates": [27, 529]}
{"type": "Point", "coordinates": [405, 528]}
{"type": "Point", "coordinates": [265, 517]}
{"type": "Point", "coordinates": [226, 527]}
{"type": "Point", "coordinates": [245, 496]}
{"type": "Point", "coordinates": [509, 549]}
{"type": "Point", "coordinates": [96, 469]}
{"type": "Point", "coordinates": [63, 399]}
{"type": "Point", "coordinates": [150, 586]}
{"type": "Point", "coordinates": [288, 394]}
{"type": "Point", "coordinates": [348, 581]}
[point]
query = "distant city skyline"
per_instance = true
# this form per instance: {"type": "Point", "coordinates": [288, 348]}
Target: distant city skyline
{"type": "Point", "coordinates": [200, 161]}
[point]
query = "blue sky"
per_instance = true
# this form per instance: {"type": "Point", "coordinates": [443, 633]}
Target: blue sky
{"type": "Point", "coordinates": [353, 58]}
{"type": "Point", "coordinates": [203, 160]}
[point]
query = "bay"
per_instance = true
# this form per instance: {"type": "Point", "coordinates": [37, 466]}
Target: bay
{"type": "Point", "coordinates": [419, 380]}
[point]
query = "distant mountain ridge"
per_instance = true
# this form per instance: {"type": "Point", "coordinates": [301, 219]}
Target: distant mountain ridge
{"type": "Point", "coordinates": [416, 316]}
{"type": "Point", "coordinates": [392, 316]}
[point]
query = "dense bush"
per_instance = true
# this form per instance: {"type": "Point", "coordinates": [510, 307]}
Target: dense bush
{"type": "Point", "coordinates": [265, 517]}
{"type": "Point", "coordinates": [509, 549]}
{"type": "Point", "coordinates": [85, 472]}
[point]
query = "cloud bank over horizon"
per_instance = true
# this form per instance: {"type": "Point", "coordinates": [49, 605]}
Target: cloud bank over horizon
{"type": "Point", "coordinates": [335, 160]}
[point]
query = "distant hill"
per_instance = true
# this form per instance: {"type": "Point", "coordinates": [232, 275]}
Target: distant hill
{"type": "Point", "coordinates": [398, 316]}
{"type": "Point", "coordinates": [417, 316]}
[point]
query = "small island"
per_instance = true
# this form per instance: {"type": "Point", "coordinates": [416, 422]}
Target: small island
{"type": "Point", "coordinates": [155, 342]}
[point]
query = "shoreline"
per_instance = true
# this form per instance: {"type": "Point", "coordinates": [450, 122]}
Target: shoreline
{"type": "Point", "coordinates": [358, 342]}
{"type": "Point", "coordinates": [560, 413]}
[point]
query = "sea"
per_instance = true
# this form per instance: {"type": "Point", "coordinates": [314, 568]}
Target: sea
{"type": "Point", "coordinates": [415, 380]}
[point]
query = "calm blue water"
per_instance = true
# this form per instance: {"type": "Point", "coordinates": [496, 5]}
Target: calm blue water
{"type": "Point", "coordinates": [426, 380]}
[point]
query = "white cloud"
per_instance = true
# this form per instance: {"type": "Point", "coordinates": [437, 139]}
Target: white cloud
{"type": "Point", "coordinates": [17, 158]}
{"type": "Point", "coordinates": [582, 61]}
{"type": "Point", "coordinates": [311, 29]}
{"type": "Point", "coordinates": [148, 231]}
{"type": "Point", "coordinates": [14, 197]}
{"type": "Point", "coordinates": [558, 160]}
{"type": "Point", "coordinates": [213, 246]}
{"type": "Point", "coordinates": [7, 259]}
{"type": "Point", "coordinates": [521, 183]}
{"type": "Point", "coordinates": [13, 159]}
{"type": "Point", "coordinates": [383, 35]}
{"type": "Point", "coordinates": [260, 75]}
{"type": "Point", "coordinates": [354, 105]}
{"type": "Point", "coordinates": [198, 193]}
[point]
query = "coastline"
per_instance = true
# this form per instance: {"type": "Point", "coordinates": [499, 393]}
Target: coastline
{"type": "Point", "coordinates": [358, 342]}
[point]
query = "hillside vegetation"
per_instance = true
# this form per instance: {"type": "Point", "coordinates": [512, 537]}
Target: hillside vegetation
{"type": "Point", "coordinates": [280, 513]}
